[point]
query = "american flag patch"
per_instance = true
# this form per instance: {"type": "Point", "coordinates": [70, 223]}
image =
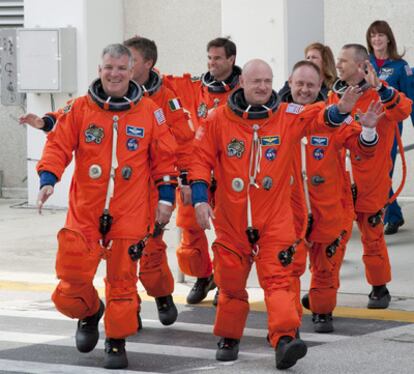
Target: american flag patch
{"type": "Point", "coordinates": [294, 108]}
{"type": "Point", "coordinates": [348, 120]}
{"type": "Point", "coordinates": [408, 70]}
{"type": "Point", "coordinates": [159, 116]}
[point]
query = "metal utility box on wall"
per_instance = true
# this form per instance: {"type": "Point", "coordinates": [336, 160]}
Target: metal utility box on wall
{"type": "Point", "coordinates": [8, 62]}
{"type": "Point", "coordinates": [46, 60]}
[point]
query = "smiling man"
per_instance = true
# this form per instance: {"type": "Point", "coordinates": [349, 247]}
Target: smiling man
{"type": "Point", "coordinates": [319, 158]}
{"type": "Point", "coordinates": [120, 141]}
{"type": "Point", "coordinates": [372, 177]}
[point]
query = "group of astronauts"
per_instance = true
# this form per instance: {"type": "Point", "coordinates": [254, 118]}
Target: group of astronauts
{"type": "Point", "coordinates": [281, 176]}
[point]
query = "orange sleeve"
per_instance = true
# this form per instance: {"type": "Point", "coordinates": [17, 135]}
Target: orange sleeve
{"type": "Point", "coordinates": [205, 150]}
{"type": "Point", "coordinates": [162, 151]}
{"type": "Point", "coordinates": [309, 119]}
{"type": "Point", "coordinates": [179, 122]}
{"type": "Point", "coordinates": [348, 136]}
{"type": "Point", "coordinates": [62, 141]}
{"type": "Point", "coordinates": [184, 87]}
{"type": "Point", "coordinates": [398, 108]}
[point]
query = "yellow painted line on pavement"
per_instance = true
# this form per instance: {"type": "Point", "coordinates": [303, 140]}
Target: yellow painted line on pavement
{"type": "Point", "coordinates": [257, 306]}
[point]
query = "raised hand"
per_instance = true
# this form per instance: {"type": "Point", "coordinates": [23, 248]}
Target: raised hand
{"type": "Point", "coordinates": [370, 75]}
{"type": "Point", "coordinates": [349, 99]}
{"type": "Point", "coordinates": [373, 114]}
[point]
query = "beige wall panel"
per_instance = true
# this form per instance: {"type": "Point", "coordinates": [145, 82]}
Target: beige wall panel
{"type": "Point", "coordinates": [181, 29]}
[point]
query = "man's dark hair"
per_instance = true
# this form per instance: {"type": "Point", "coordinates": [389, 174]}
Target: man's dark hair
{"type": "Point", "coordinates": [146, 47]}
{"type": "Point", "coordinates": [229, 46]}
{"type": "Point", "coordinates": [312, 65]}
{"type": "Point", "coordinates": [361, 53]}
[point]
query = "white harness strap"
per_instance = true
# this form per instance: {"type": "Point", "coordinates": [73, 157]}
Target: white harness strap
{"type": "Point", "coordinates": [348, 166]}
{"type": "Point", "coordinates": [114, 163]}
{"type": "Point", "coordinates": [111, 181]}
{"type": "Point", "coordinates": [303, 144]}
{"type": "Point", "coordinates": [254, 169]}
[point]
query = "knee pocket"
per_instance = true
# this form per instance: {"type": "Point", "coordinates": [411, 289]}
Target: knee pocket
{"type": "Point", "coordinates": [75, 260]}
{"type": "Point", "coordinates": [190, 261]}
{"type": "Point", "coordinates": [73, 307]}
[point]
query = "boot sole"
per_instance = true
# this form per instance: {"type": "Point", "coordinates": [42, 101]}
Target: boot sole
{"type": "Point", "coordinates": [382, 303]}
{"type": "Point", "coordinates": [117, 363]}
{"type": "Point", "coordinates": [323, 329]}
{"type": "Point", "coordinates": [224, 356]}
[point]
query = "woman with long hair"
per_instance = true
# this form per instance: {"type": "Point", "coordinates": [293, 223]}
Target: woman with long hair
{"type": "Point", "coordinates": [392, 68]}
{"type": "Point", "coordinates": [322, 56]}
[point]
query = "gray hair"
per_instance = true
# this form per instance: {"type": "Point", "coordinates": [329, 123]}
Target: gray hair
{"type": "Point", "coordinates": [118, 50]}
{"type": "Point", "coordinates": [360, 52]}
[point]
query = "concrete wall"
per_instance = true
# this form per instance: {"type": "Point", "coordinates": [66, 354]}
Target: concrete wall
{"type": "Point", "coordinates": [181, 29]}
{"type": "Point", "coordinates": [259, 34]}
{"type": "Point", "coordinates": [268, 29]}
{"type": "Point", "coordinates": [304, 25]}
{"type": "Point", "coordinates": [359, 15]}
{"type": "Point", "coordinates": [12, 153]}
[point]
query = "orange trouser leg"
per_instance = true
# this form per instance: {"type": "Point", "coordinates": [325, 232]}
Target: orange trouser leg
{"type": "Point", "coordinates": [375, 257]}
{"type": "Point", "coordinates": [154, 272]}
{"type": "Point", "coordinates": [76, 264]}
{"type": "Point", "coordinates": [122, 301]}
{"type": "Point", "coordinates": [325, 277]}
{"type": "Point", "coordinates": [298, 268]}
{"type": "Point", "coordinates": [274, 278]}
{"type": "Point", "coordinates": [192, 254]}
{"type": "Point", "coordinates": [231, 270]}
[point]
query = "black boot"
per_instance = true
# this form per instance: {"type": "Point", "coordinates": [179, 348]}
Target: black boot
{"type": "Point", "coordinates": [228, 349]}
{"type": "Point", "coordinates": [392, 228]}
{"type": "Point", "coordinates": [305, 301]}
{"type": "Point", "coordinates": [289, 351]}
{"type": "Point", "coordinates": [297, 336]}
{"type": "Point", "coordinates": [200, 290]}
{"type": "Point", "coordinates": [167, 311]}
{"type": "Point", "coordinates": [322, 323]}
{"type": "Point", "coordinates": [379, 298]}
{"type": "Point", "coordinates": [87, 333]}
{"type": "Point", "coordinates": [115, 354]}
